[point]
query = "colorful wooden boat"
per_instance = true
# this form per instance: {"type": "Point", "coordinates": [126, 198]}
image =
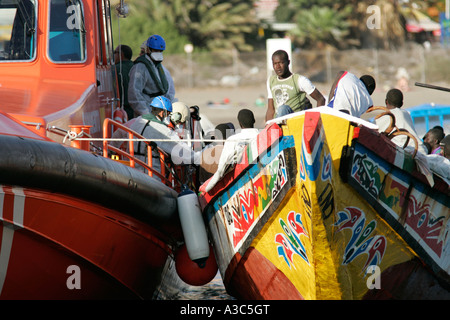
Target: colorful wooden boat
{"type": "Point", "coordinates": [73, 223]}
{"type": "Point", "coordinates": [323, 206]}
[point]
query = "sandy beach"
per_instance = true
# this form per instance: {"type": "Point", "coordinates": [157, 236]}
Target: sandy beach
{"type": "Point", "coordinates": [211, 100]}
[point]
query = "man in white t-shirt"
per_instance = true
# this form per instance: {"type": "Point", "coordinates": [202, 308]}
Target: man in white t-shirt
{"type": "Point", "coordinates": [286, 91]}
{"type": "Point", "coordinates": [235, 145]}
{"type": "Point", "coordinates": [350, 94]}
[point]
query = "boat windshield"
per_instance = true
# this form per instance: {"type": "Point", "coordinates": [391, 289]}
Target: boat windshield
{"type": "Point", "coordinates": [17, 29]}
{"type": "Point", "coordinates": [67, 33]}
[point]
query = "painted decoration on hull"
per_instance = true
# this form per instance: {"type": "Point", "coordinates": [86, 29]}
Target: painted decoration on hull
{"type": "Point", "coordinates": [324, 237]}
{"type": "Point", "coordinates": [343, 219]}
{"type": "Point", "coordinates": [249, 200]}
{"type": "Point", "coordinates": [362, 240]}
{"type": "Point", "coordinates": [286, 241]}
{"type": "Point", "coordinates": [418, 214]}
{"type": "Point", "coordinates": [290, 242]}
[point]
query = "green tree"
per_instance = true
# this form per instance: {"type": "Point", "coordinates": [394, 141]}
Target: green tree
{"type": "Point", "coordinates": [146, 18]}
{"type": "Point", "coordinates": [343, 23]}
{"type": "Point", "coordinates": [208, 24]}
{"type": "Point", "coordinates": [220, 24]}
{"type": "Point", "coordinates": [321, 25]}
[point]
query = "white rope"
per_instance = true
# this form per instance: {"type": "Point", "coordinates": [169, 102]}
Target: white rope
{"type": "Point", "coordinates": [158, 140]}
{"type": "Point", "coordinates": [72, 135]}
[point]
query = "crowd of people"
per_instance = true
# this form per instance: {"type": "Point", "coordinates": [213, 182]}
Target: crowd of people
{"type": "Point", "coordinates": [147, 94]}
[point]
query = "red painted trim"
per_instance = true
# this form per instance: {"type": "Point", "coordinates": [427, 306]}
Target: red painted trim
{"type": "Point", "coordinates": [311, 130]}
{"type": "Point", "coordinates": [254, 277]}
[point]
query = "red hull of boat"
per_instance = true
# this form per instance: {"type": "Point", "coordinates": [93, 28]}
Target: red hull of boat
{"type": "Point", "coordinates": [253, 276]}
{"type": "Point", "coordinates": [58, 247]}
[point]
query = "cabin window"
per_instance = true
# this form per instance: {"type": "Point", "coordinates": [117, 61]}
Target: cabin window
{"type": "Point", "coordinates": [67, 33]}
{"type": "Point", "coordinates": [17, 29]}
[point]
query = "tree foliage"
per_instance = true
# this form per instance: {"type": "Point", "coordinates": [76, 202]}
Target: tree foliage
{"type": "Point", "coordinates": [321, 25]}
{"type": "Point", "coordinates": [208, 24]}
{"type": "Point", "coordinates": [215, 25]}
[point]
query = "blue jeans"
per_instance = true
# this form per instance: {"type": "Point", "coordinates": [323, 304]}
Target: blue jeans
{"type": "Point", "coordinates": [283, 110]}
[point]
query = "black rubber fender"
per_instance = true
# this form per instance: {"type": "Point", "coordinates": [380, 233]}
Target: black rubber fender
{"type": "Point", "coordinates": [57, 168]}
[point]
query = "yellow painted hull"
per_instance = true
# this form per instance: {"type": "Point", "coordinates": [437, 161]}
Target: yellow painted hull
{"type": "Point", "coordinates": [326, 224]}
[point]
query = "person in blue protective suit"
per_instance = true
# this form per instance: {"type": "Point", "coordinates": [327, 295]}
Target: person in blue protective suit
{"type": "Point", "coordinates": [154, 125]}
{"type": "Point", "coordinates": [149, 78]}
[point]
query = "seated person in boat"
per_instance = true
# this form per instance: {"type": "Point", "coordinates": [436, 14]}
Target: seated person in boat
{"type": "Point", "coordinates": [155, 126]}
{"type": "Point", "coordinates": [433, 138]}
{"type": "Point", "coordinates": [211, 153]}
{"type": "Point", "coordinates": [403, 120]}
{"type": "Point", "coordinates": [235, 145]}
{"type": "Point", "coordinates": [445, 147]}
{"type": "Point", "coordinates": [179, 120]}
{"type": "Point", "coordinates": [286, 91]}
{"type": "Point", "coordinates": [440, 162]}
{"type": "Point", "coordinates": [350, 94]}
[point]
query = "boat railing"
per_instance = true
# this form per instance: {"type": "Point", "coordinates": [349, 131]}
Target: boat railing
{"type": "Point", "coordinates": [392, 130]}
{"type": "Point", "coordinates": [166, 175]}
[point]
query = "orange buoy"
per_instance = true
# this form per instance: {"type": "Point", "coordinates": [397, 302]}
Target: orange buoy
{"type": "Point", "coordinates": [190, 272]}
{"type": "Point", "coordinates": [120, 115]}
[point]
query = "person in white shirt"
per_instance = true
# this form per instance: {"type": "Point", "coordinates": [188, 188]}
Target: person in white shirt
{"type": "Point", "coordinates": [403, 120]}
{"type": "Point", "coordinates": [235, 145]}
{"type": "Point", "coordinates": [350, 94]}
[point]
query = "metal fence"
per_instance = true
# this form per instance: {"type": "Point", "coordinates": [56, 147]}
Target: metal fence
{"type": "Point", "coordinates": [204, 69]}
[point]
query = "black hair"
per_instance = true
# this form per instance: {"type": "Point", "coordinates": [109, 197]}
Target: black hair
{"type": "Point", "coordinates": [281, 53]}
{"type": "Point", "coordinates": [395, 98]}
{"type": "Point", "coordinates": [369, 82]}
{"type": "Point", "coordinates": [246, 118]}
{"type": "Point", "coordinates": [224, 131]}
{"type": "Point", "coordinates": [127, 51]}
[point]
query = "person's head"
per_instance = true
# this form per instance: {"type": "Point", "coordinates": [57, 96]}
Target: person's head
{"type": "Point", "coordinates": [433, 137]}
{"type": "Point", "coordinates": [246, 118]}
{"type": "Point", "coordinates": [280, 63]}
{"type": "Point", "coordinates": [221, 131]}
{"type": "Point", "coordinates": [180, 113]}
{"type": "Point", "coordinates": [439, 131]}
{"type": "Point", "coordinates": [445, 146]}
{"type": "Point", "coordinates": [143, 48]}
{"type": "Point", "coordinates": [155, 46]}
{"type": "Point", "coordinates": [369, 82]}
{"type": "Point", "coordinates": [122, 53]}
{"type": "Point", "coordinates": [394, 99]}
{"type": "Point", "coordinates": [439, 127]}
{"type": "Point", "coordinates": [161, 107]}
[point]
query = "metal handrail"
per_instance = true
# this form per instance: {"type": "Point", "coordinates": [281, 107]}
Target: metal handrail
{"type": "Point", "coordinates": [108, 124]}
